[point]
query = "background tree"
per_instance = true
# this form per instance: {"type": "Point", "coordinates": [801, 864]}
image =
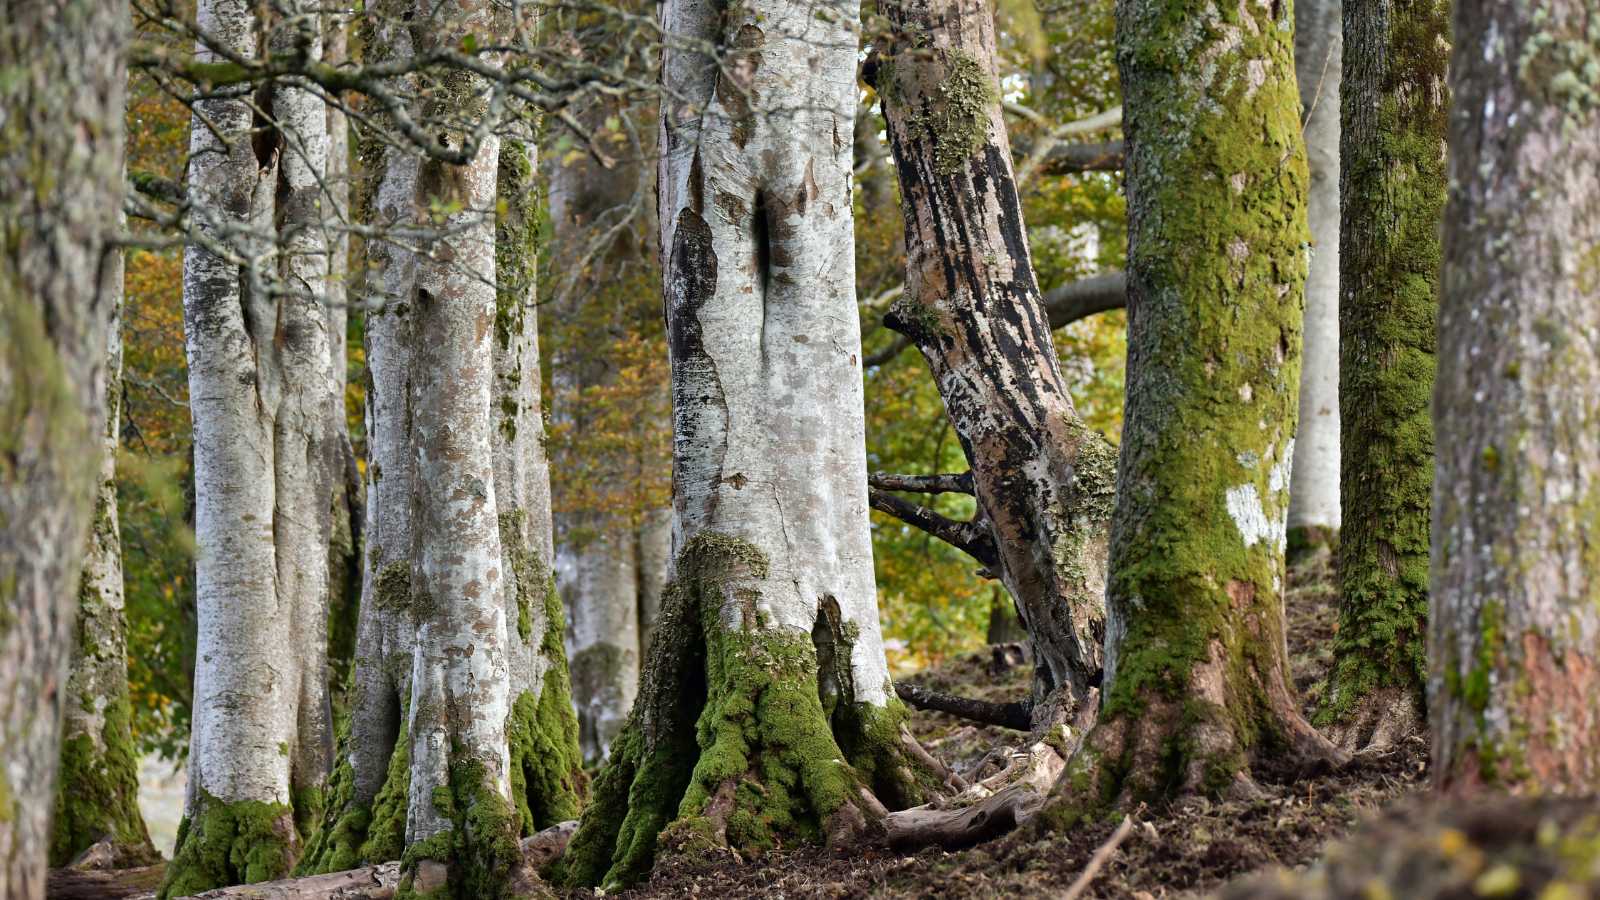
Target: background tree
{"type": "Point", "coordinates": [60, 187]}
{"type": "Point", "coordinates": [97, 794]}
{"type": "Point", "coordinates": [1196, 675]}
{"type": "Point", "coordinates": [261, 745]}
{"type": "Point", "coordinates": [1513, 678]}
{"type": "Point", "coordinates": [1396, 106]}
{"type": "Point", "coordinates": [1314, 509]}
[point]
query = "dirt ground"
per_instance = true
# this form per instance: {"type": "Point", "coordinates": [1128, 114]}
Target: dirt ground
{"type": "Point", "coordinates": [1188, 850]}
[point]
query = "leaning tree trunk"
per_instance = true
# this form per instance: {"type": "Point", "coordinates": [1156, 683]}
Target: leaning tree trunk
{"type": "Point", "coordinates": [1196, 666]}
{"type": "Point", "coordinates": [97, 795]}
{"type": "Point", "coordinates": [1042, 478]}
{"type": "Point", "coordinates": [261, 741]}
{"type": "Point", "coordinates": [1514, 674]}
{"type": "Point", "coordinates": [60, 187]}
{"type": "Point", "coordinates": [766, 710]}
{"type": "Point", "coordinates": [1314, 483]}
{"type": "Point", "coordinates": [1396, 108]}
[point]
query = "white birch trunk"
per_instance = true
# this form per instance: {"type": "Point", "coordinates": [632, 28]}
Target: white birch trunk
{"type": "Point", "coordinates": [1314, 481]}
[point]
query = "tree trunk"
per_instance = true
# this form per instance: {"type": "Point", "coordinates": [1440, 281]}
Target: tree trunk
{"type": "Point", "coordinates": [765, 710]}
{"type": "Point", "coordinates": [1043, 480]}
{"type": "Point", "coordinates": [60, 188]}
{"type": "Point", "coordinates": [97, 794]}
{"type": "Point", "coordinates": [599, 581]}
{"type": "Point", "coordinates": [1196, 665]}
{"type": "Point", "coordinates": [261, 741]}
{"type": "Point", "coordinates": [1396, 107]}
{"type": "Point", "coordinates": [1514, 678]}
{"type": "Point", "coordinates": [1314, 483]}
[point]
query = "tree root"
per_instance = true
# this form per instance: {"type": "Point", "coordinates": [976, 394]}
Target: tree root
{"type": "Point", "coordinates": [1018, 715]}
{"type": "Point", "coordinates": [1379, 722]}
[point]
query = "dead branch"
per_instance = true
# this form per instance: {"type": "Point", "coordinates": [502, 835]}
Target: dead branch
{"type": "Point", "coordinates": [1018, 715]}
{"type": "Point", "coordinates": [972, 538]}
{"type": "Point", "coordinates": [923, 484]}
{"type": "Point", "coordinates": [965, 826]}
{"type": "Point", "coordinates": [1098, 861]}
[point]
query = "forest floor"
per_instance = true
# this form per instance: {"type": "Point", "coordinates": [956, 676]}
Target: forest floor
{"type": "Point", "coordinates": [1196, 845]}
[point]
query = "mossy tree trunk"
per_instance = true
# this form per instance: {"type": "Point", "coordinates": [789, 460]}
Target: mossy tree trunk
{"type": "Point", "coordinates": [604, 247]}
{"type": "Point", "coordinates": [1396, 107]}
{"type": "Point", "coordinates": [97, 795]}
{"type": "Point", "coordinates": [1514, 678]}
{"type": "Point", "coordinates": [766, 711]}
{"type": "Point", "coordinates": [1314, 483]}
{"type": "Point", "coordinates": [1196, 665]}
{"type": "Point", "coordinates": [261, 743]}
{"type": "Point", "coordinates": [1043, 479]}
{"type": "Point", "coordinates": [461, 734]}
{"type": "Point", "coordinates": [60, 190]}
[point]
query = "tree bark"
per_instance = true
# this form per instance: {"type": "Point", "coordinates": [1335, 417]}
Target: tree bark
{"type": "Point", "coordinates": [1514, 679]}
{"type": "Point", "coordinates": [97, 794]}
{"type": "Point", "coordinates": [1043, 480]}
{"type": "Point", "coordinates": [261, 741]}
{"type": "Point", "coordinates": [1314, 483]}
{"type": "Point", "coordinates": [1396, 118]}
{"type": "Point", "coordinates": [1196, 667]}
{"type": "Point", "coordinates": [60, 189]}
{"type": "Point", "coordinates": [765, 702]}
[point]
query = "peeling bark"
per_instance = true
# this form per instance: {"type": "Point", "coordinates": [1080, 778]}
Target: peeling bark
{"type": "Point", "coordinates": [60, 189]}
{"type": "Point", "coordinates": [972, 305]}
{"type": "Point", "coordinates": [1396, 118]}
{"type": "Point", "coordinates": [1196, 675]}
{"type": "Point", "coordinates": [1514, 683]}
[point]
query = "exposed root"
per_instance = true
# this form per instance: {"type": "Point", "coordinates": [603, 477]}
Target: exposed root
{"type": "Point", "coordinates": [984, 810]}
{"type": "Point", "coordinates": [1379, 722]}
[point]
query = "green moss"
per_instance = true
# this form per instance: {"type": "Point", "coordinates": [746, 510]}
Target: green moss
{"type": "Point", "coordinates": [947, 97]}
{"type": "Point", "coordinates": [386, 833]}
{"type": "Point", "coordinates": [481, 853]}
{"type": "Point", "coordinates": [342, 827]}
{"type": "Point", "coordinates": [230, 843]}
{"type": "Point", "coordinates": [97, 793]}
{"type": "Point", "coordinates": [547, 778]}
{"type": "Point", "coordinates": [527, 581]}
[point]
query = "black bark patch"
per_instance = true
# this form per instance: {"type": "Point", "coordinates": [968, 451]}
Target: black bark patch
{"type": "Point", "coordinates": [699, 408]}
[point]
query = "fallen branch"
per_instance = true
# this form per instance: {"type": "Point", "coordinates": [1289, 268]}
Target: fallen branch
{"type": "Point", "coordinates": [952, 829]}
{"type": "Point", "coordinates": [1098, 861]}
{"type": "Point", "coordinates": [922, 484]}
{"type": "Point", "coordinates": [971, 538]}
{"type": "Point", "coordinates": [1017, 715]}
{"type": "Point", "coordinates": [951, 779]}
{"type": "Point", "coordinates": [1081, 299]}
{"type": "Point", "coordinates": [104, 884]}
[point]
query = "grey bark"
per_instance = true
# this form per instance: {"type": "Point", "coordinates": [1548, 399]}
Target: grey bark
{"type": "Point", "coordinates": [60, 188]}
{"type": "Point", "coordinates": [1314, 483]}
{"type": "Point", "coordinates": [1514, 678]}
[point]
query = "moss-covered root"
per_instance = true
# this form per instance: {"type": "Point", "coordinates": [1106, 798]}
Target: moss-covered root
{"type": "Point", "coordinates": [231, 843]}
{"type": "Point", "coordinates": [730, 743]}
{"type": "Point", "coordinates": [479, 858]}
{"type": "Point", "coordinates": [547, 777]}
{"type": "Point", "coordinates": [96, 796]}
{"type": "Point", "coordinates": [354, 834]}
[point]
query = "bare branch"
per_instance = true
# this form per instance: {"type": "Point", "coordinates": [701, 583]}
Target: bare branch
{"type": "Point", "coordinates": [972, 538]}
{"type": "Point", "coordinates": [1081, 299]}
{"type": "Point", "coordinates": [890, 352]}
{"type": "Point", "coordinates": [1018, 715]}
{"type": "Point", "coordinates": [923, 484]}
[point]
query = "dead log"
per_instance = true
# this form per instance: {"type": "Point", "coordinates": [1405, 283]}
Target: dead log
{"type": "Point", "coordinates": [109, 884]}
{"type": "Point", "coordinates": [952, 829]}
{"type": "Point", "coordinates": [1018, 715]}
{"type": "Point", "coordinates": [370, 883]}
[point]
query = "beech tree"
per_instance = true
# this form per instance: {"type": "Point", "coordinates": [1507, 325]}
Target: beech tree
{"type": "Point", "coordinates": [1314, 484]}
{"type": "Point", "coordinates": [261, 744]}
{"type": "Point", "coordinates": [60, 187]}
{"type": "Point", "coordinates": [766, 708]}
{"type": "Point", "coordinates": [1396, 107]}
{"type": "Point", "coordinates": [1513, 687]}
{"type": "Point", "coordinates": [1043, 480]}
{"type": "Point", "coordinates": [1196, 671]}
{"type": "Point", "coordinates": [97, 794]}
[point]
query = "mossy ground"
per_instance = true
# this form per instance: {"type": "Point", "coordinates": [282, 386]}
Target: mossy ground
{"type": "Point", "coordinates": [1199, 844]}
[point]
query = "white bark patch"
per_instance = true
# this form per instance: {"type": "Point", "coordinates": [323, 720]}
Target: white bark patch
{"type": "Point", "coordinates": [1244, 503]}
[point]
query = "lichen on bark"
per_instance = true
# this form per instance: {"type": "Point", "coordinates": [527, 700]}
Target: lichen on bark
{"type": "Point", "coordinates": [1396, 114]}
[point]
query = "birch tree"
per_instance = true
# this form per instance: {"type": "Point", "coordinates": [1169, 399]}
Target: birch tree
{"type": "Point", "coordinates": [60, 174]}
{"type": "Point", "coordinates": [97, 794]}
{"type": "Point", "coordinates": [1396, 107]}
{"type": "Point", "coordinates": [1196, 677]}
{"type": "Point", "coordinates": [1043, 480]}
{"type": "Point", "coordinates": [1513, 683]}
{"type": "Point", "coordinates": [261, 743]}
{"type": "Point", "coordinates": [1314, 483]}
{"type": "Point", "coordinates": [765, 709]}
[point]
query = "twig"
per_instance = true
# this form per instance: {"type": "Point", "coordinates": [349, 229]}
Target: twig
{"type": "Point", "coordinates": [1098, 860]}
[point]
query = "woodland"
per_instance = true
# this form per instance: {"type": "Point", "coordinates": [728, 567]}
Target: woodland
{"type": "Point", "coordinates": [800, 449]}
